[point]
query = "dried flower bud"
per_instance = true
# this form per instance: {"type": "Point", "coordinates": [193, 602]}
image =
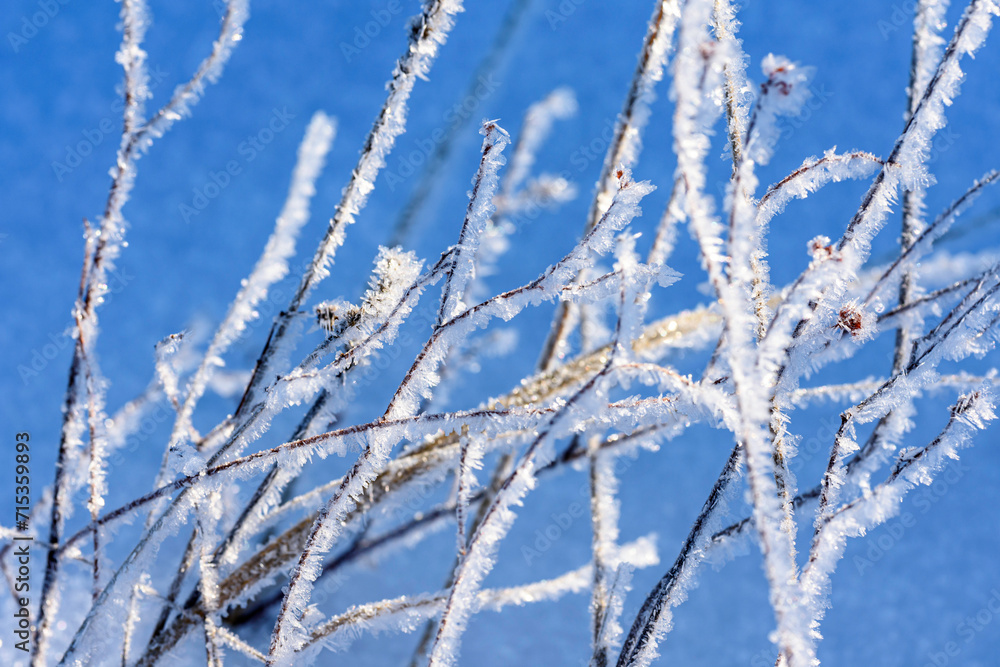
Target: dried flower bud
{"type": "Point", "coordinates": [820, 248]}
{"type": "Point", "coordinates": [336, 316]}
{"type": "Point", "coordinates": [856, 321]}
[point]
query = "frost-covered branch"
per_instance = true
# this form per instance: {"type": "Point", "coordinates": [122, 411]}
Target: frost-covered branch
{"type": "Point", "coordinates": [241, 545]}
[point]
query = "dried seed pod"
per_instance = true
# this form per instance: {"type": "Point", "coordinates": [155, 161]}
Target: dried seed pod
{"type": "Point", "coordinates": [336, 316]}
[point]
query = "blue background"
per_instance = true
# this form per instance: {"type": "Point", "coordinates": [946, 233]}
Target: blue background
{"type": "Point", "coordinates": [59, 87]}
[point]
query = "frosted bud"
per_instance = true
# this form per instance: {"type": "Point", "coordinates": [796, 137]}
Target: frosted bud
{"type": "Point", "coordinates": [787, 83]}
{"type": "Point", "coordinates": [820, 248]}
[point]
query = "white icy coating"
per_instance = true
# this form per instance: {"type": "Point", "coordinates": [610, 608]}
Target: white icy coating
{"type": "Point", "coordinates": [619, 396]}
{"type": "Point", "coordinates": [166, 368]}
{"type": "Point", "coordinates": [406, 614]}
{"type": "Point", "coordinates": [538, 121]}
{"type": "Point", "coordinates": [928, 43]}
{"type": "Point", "coordinates": [697, 75]}
{"type": "Point", "coordinates": [289, 634]}
{"type": "Point", "coordinates": [904, 168]}
{"type": "Point", "coordinates": [470, 460]}
{"type": "Point", "coordinates": [188, 94]}
{"type": "Point", "coordinates": [431, 29]}
{"type": "Point", "coordinates": [550, 285]}
{"type": "Point", "coordinates": [208, 515]}
{"type": "Point", "coordinates": [784, 92]}
{"type": "Point", "coordinates": [97, 449]}
{"type": "Point", "coordinates": [814, 173]}
{"type": "Point", "coordinates": [480, 557]}
{"type": "Point", "coordinates": [609, 636]}
{"type": "Point", "coordinates": [612, 578]}
{"type": "Point", "coordinates": [921, 245]}
{"type": "Point", "coordinates": [105, 243]}
{"type": "Point", "coordinates": [739, 91]}
{"type": "Point", "coordinates": [915, 466]}
{"type": "Point", "coordinates": [272, 265]}
{"type": "Point", "coordinates": [627, 143]}
{"type": "Point", "coordinates": [481, 208]}
{"type": "Point", "coordinates": [395, 286]}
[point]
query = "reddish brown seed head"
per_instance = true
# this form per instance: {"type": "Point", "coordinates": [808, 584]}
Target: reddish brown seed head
{"type": "Point", "coordinates": [850, 320]}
